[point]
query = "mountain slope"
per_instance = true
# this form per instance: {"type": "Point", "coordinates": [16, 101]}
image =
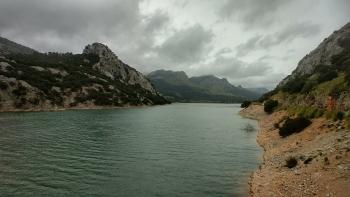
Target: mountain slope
{"type": "Point", "coordinates": [9, 47]}
{"type": "Point", "coordinates": [95, 78]}
{"type": "Point", "coordinates": [177, 86]}
{"type": "Point", "coordinates": [321, 81]}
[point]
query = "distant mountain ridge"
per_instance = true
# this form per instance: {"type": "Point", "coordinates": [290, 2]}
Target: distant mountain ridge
{"type": "Point", "coordinates": [178, 87]}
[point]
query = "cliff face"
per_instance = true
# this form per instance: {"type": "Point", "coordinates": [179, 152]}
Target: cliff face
{"type": "Point", "coordinates": [324, 73]}
{"type": "Point", "coordinates": [323, 54]}
{"type": "Point", "coordinates": [95, 78]}
{"type": "Point", "coordinates": [111, 66]}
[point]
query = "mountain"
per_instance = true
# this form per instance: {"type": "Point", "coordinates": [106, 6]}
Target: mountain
{"type": "Point", "coordinates": [331, 47]}
{"type": "Point", "coordinates": [9, 47]}
{"type": "Point", "coordinates": [260, 90]}
{"type": "Point", "coordinates": [30, 80]}
{"type": "Point", "coordinates": [178, 87]}
{"type": "Point", "coordinates": [321, 77]}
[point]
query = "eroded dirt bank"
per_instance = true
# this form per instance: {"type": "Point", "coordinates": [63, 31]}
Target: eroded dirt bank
{"type": "Point", "coordinates": [322, 151]}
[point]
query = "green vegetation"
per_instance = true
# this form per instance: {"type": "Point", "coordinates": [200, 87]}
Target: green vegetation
{"type": "Point", "coordinates": [295, 125]}
{"type": "Point", "coordinates": [3, 85]}
{"type": "Point", "coordinates": [59, 75]}
{"type": "Point", "coordinates": [20, 91]}
{"type": "Point", "coordinates": [305, 112]}
{"type": "Point", "coordinates": [245, 104]}
{"type": "Point", "coordinates": [291, 162]}
{"type": "Point", "coordinates": [270, 105]}
{"type": "Point", "coordinates": [335, 115]}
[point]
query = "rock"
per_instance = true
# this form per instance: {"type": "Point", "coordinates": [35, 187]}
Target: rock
{"type": "Point", "coordinates": [322, 55]}
{"type": "Point", "coordinates": [112, 67]}
{"type": "Point", "coordinates": [4, 66]}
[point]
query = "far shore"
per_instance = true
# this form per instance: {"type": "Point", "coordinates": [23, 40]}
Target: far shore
{"type": "Point", "coordinates": [77, 108]}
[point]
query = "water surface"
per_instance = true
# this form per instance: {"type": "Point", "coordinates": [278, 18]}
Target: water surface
{"type": "Point", "coordinates": [173, 150]}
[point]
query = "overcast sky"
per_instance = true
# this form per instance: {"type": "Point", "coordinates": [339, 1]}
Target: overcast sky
{"type": "Point", "coordinates": [250, 42]}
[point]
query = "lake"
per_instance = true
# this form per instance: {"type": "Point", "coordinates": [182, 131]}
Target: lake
{"type": "Point", "coordinates": [171, 150]}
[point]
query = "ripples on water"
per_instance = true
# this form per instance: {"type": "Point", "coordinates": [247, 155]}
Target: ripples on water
{"type": "Point", "coordinates": [173, 150]}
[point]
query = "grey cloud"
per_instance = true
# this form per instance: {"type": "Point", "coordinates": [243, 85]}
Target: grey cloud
{"type": "Point", "coordinates": [156, 21]}
{"type": "Point", "coordinates": [246, 47]}
{"type": "Point", "coordinates": [299, 30]}
{"type": "Point", "coordinates": [57, 25]}
{"type": "Point", "coordinates": [251, 12]}
{"type": "Point", "coordinates": [233, 68]}
{"type": "Point", "coordinates": [186, 46]}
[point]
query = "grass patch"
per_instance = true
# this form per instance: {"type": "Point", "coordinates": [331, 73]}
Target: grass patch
{"type": "Point", "coordinates": [306, 112]}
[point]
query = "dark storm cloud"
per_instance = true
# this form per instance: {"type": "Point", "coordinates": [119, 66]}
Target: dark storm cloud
{"type": "Point", "coordinates": [57, 25]}
{"type": "Point", "coordinates": [299, 30]}
{"type": "Point", "coordinates": [187, 45]}
{"type": "Point", "coordinates": [251, 13]}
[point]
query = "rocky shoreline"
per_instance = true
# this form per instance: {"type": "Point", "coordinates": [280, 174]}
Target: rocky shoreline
{"type": "Point", "coordinates": [74, 108]}
{"type": "Point", "coordinates": [322, 151]}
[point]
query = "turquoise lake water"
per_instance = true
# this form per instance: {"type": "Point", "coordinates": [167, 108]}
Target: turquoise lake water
{"type": "Point", "coordinates": [173, 150]}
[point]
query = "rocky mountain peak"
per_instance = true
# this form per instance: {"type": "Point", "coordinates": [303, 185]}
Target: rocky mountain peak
{"type": "Point", "coordinates": [112, 67]}
{"type": "Point", "coordinates": [105, 54]}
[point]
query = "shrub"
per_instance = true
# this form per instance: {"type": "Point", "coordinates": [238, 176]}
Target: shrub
{"type": "Point", "coordinates": [335, 115]}
{"type": "Point", "coordinates": [3, 85]}
{"type": "Point", "coordinates": [270, 105]}
{"type": "Point", "coordinates": [291, 126]}
{"type": "Point", "coordinates": [339, 115]}
{"type": "Point", "coordinates": [245, 104]}
{"type": "Point", "coordinates": [309, 86]}
{"type": "Point", "coordinates": [291, 162]}
{"type": "Point", "coordinates": [326, 73]}
{"type": "Point", "coordinates": [294, 85]}
{"type": "Point", "coordinates": [308, 160]}
{"type": "Point", "coordinates": [20, 91]}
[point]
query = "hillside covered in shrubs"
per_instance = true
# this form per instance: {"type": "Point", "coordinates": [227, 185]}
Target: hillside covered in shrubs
{"type": "Point", "coordinates": [320, 85]}
{"type": "Point", "coordinates": [43, 81]}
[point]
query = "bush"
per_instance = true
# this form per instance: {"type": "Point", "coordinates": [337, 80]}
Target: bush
{"type": "Point", "coordinates": [20, 91]}
{"type": "Point", "coordinates": [270, 105]}
{"type": "Point", "coordinates": [3, 85]}
{"type": "Point", "coordinates": [245, 104]}
{"type": "Point", "coordinates": [291, 126]}
{"type": "Point", "coordinates": [326, 73]}
{"type": "Point", "coordinates": [335, 115]}
{"type": "Point", "coordinates": [294, 85]}
{"type": "Point", "coordinates": [339, 115]}
{"type": "Point", "coordinates": [291, 162]}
